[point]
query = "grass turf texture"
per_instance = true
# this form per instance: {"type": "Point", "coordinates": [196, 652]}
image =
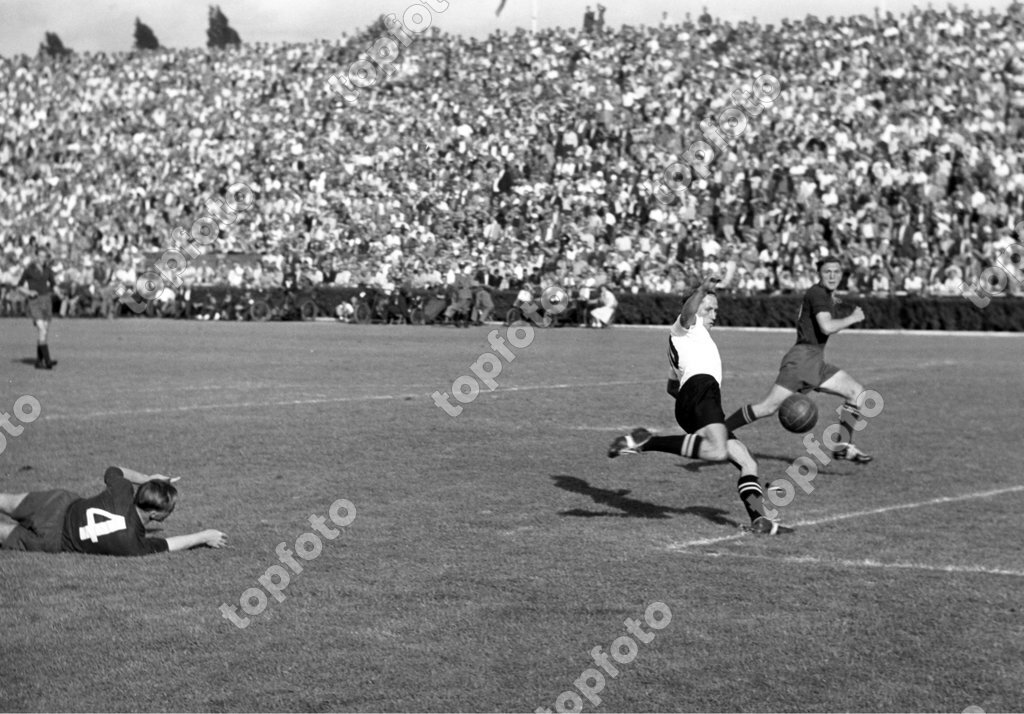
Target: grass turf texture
{"type": "Point", "coordinates": [493, 551]}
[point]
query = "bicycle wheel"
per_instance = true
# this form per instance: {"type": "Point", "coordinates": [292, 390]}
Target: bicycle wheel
{"type": "Point", "coordinates": [513, 316]}
{"type": "Point", "coordinates": [308, 310]}
{"type": "Point", "coordinates": [363, 314]}
{"type": "Point", "coordinates": [259, 312]}
{"type": "Point", "coordinates": [169, 310]}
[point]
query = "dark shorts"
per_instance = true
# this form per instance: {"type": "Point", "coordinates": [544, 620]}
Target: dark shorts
{"type": "Point", "coordinates": [41, 307]}
{"type": "Point", "coordinates": [804, 369]}
{"type": "Point", "coordinates": [40, 518]}
{"type": "Point", "coordinates": [699, 403]}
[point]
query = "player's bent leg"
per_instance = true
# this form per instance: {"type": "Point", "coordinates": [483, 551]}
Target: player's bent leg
{"type": "Point", "coordinates": [707, 444]}
{"type": "Point", "coordinates": [740, 457]}
{"type": "Point", "coordinates": [749, 486]}
{"type": "Point", "coordinates": [771, 403]}
{"type": "Point", "coordinates": [750, 490]}
{"type": "Point", "coordinates": [850, 419]}
{"type": "Point", "coordinates": [9, 502]}
{"type": "Point", "coordinates": [766, 407]}
{"type": "Point", "coordinates": [841, 384]}
{"type": "Point", "coordinates": [44, 349]}
{"type": "Point", "coordinates": [635, 441]}
{"type": "Point", "coordinates": [5, 530]}
{"type": "Point", "coordinates": [713, 444]}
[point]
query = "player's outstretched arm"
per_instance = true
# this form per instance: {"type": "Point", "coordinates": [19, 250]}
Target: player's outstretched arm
{"type": "Point", "coordinates": [138, 478]}
{"type": "Point", "coordinates": [210, 538]}
{"type": "Point", "coordinates": [830, 325]}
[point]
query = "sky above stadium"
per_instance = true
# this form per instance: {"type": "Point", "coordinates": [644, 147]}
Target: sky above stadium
{"type": "Point", "coordinates": [108, 25]}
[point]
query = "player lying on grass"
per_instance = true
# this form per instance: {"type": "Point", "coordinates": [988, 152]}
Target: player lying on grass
{"type": "Point", "coordinates": [695, 384]}
{"type": "Point", "coordinates": [114, 522]}
{"type": "Point", "coordinates": [804, 368]}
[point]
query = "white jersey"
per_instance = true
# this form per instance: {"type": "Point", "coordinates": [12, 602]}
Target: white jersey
{"type": "Point", "coordinates": [692, 351]}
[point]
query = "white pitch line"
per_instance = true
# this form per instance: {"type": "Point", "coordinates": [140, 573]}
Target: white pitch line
{"type": "Point", "coordinates": [866, 563]}
{"type": "Point", "coordinates": [857, 514]}
{"type": "Point", "coordinates": [904, 506]}
{"type": "Point", "coordinates": [528, 388]}
{"type": "Point", "coordinates": [655, 430]}
{"type": "Point", "coordinates": [247, 405]}
{"type": "Point", "coordinates": [704, 541]}
{"type": "Point", "coordinates": [313, 401]}
{"type": "Point", "coordinates": [792, 330]}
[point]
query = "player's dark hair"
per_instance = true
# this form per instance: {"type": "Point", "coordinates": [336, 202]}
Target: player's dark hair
{"type": "Point", "coordinates": [156, 495]}
{"type": "Point", "coordinates": [828, 259]}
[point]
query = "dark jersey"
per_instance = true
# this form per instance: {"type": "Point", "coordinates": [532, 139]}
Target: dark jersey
{"type": "Point", "coordinates": [816, 299]}
{"type": "Point", "coordinates": [38, 278]}
{"type": "Point", "coordinates": [108, 524]}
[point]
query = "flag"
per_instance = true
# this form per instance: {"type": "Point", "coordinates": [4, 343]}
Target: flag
{"type": "Point", "coordinates": [501, 6]}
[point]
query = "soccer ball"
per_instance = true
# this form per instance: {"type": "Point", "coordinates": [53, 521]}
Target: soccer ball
{"type": "Point", "coordinates": [798, 414]}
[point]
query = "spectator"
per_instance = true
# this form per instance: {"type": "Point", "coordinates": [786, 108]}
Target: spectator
{"type": "Point", "coordinates": [898, 138]}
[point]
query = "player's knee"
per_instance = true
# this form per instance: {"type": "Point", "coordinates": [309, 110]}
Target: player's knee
{"type": "Point", "coordinates": [715, 450]}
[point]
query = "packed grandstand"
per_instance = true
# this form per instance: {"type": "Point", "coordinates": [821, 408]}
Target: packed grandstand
{"type": "Point", "coordinates": [531, 158]}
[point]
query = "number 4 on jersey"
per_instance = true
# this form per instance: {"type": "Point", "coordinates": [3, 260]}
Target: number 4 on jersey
{"type": "Point", "coordinates": [93, 530]}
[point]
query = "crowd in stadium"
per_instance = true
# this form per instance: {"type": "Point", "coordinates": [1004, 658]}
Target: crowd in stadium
{"type": "Point", "coordinates": [529, 158]}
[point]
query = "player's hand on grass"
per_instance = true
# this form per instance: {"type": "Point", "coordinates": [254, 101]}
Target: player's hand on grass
{"type": "Point", "coordinates": [214, 538]}
{"type": "Point", "coordinates": [168, 479]}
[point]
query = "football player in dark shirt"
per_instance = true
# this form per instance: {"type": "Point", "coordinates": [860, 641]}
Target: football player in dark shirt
{"type": "Point", "coordinates": [37, 283]}
{"type": "Point", "coordinates": [114, 522]}
{"type": "Point", "coordinates": [804, 368]}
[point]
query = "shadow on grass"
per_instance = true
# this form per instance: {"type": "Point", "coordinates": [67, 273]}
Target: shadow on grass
{"type": "Point", "coordinates": [632, 507]}
{"type": "Point", "coordinates": [24, 360]}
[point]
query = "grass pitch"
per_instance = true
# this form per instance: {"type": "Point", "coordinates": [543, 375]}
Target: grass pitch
{"type": "Point", "coordinates": [491, 552]}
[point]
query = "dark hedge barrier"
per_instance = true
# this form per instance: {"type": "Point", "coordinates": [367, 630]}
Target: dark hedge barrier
{"type": "Point", "coordinates": [907, 313]}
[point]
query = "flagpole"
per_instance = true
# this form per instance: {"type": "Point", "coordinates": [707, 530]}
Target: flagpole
{"type": "Point", "coordinates": [533, 18]}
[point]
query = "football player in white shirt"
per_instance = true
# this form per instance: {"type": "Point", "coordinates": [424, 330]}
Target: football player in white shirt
{"type": "Point", "coordinates": [695, 383]}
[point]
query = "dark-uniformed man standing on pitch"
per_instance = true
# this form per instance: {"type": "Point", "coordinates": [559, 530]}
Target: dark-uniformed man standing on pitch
{"type": "Point", "coordinates": [37, 282]}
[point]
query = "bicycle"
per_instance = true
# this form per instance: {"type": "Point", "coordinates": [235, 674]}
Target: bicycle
{"type": "Point", "coordinates": [416, 312]}
{"type": "Point", "coordinates": [517, 316]}
{"type": "Point", "coordinates": [371, 307]}
{"type": "Point", "coordinates": [288, 306]}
